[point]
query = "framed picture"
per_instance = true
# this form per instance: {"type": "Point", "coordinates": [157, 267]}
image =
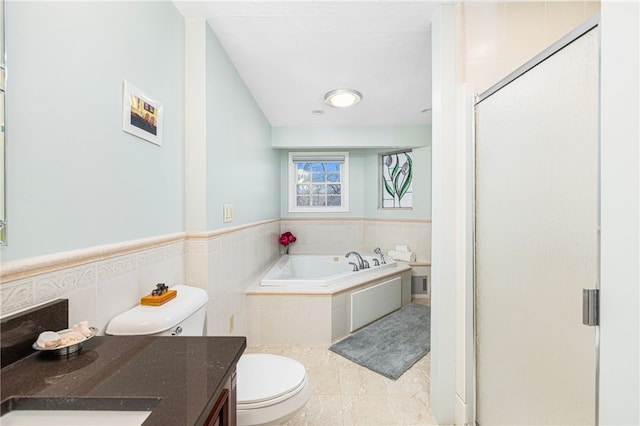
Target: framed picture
{"type": "Point", "coordinates": [141, 115]}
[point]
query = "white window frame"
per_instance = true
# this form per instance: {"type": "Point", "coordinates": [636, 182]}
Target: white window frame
{"type": "Point", "coordinates": [344, 182]}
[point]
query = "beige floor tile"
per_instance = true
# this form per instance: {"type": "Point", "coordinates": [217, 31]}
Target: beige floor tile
{"type": "Point", "coordinates": [347, 394]}
{"type": "Point", "coordinates": [321, 410]}
{"type": "Point", "coordinates": [370, 409]}
{"type": "Point", "coordinates": [324, 381]}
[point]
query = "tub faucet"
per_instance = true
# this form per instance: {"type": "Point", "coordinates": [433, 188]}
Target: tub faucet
{"type": "Point", "coordinates": [360, 259]}
{"type": "Point", "coordinates": [378, 251]}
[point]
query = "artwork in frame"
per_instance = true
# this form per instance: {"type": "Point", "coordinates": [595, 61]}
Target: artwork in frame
{"type": "Point", "coordinates": [141, 115]}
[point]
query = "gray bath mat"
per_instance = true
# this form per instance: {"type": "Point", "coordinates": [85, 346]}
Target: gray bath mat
{"type": "Point", "coordinates": [391, 345]}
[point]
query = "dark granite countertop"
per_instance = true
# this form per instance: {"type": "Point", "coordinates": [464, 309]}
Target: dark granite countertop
{"type": "Point", "coordinates": [180, 377]}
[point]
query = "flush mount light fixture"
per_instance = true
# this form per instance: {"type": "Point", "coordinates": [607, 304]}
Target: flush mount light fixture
{"type": "Point", "coordinates": [342, 98]}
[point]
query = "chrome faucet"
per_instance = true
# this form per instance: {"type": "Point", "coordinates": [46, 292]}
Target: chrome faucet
{"type": "Point", "coordinates": [361, 262]}
{"type": "Point", "coordinates": [378, 251]}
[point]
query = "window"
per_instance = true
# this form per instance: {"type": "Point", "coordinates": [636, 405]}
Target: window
{"type": "Point", "coordinates": [396, 169]}
{"type": "Point", "coordinates": [318, 182]}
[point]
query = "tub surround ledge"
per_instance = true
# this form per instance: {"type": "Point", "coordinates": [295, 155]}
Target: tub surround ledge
{"type": "Point", "coordinates": [348, 284]}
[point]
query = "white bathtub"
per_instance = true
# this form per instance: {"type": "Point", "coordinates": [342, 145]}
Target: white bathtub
{"type": "Point", "coordinates": [319, 270]}
{"type": "Point", "coordinates": [318, 299]}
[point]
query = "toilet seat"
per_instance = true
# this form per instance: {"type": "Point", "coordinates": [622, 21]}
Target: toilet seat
{"type": "Point", "coordinates": [270, 389]}
{"type": "Point", "coordinates": [266, 379]}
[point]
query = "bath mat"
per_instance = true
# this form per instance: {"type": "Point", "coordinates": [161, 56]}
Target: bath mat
{"type": "Point", "coordinates": [391, 345]}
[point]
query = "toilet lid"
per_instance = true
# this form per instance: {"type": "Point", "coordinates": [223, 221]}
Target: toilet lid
{"type": "Point", "coordinates": [264, 377]}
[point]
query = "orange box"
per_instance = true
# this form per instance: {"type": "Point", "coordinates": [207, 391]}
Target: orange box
{"type": "Point", "coordinates": [151, 300]}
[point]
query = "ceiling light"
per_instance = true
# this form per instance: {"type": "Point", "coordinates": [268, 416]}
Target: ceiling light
{"type": "Point", "coordinates": [342, 98]}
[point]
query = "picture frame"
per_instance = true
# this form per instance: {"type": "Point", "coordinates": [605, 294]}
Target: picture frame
{"type": "Point", "coordinates": [142, 115]}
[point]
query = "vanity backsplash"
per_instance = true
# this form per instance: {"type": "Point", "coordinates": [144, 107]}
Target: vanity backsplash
{"type": "Point", "coordinates": [20, 330]}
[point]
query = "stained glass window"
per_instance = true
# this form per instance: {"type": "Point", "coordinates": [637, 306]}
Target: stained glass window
{"type": "Point", "coordinates": [396, 170]}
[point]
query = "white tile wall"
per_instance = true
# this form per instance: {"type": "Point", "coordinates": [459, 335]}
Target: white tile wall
{"type": "Point", "coordinates": [500, 36]}
{"type": "Point", "coordinates": [295, 319]}
{"type": "Point", "coordinates": [99, 290]}
{"type": "Point", "coordinates": [224, 263]}
{"type": "Point", "coordinates": [388, 234]}
{"type": "Point", "coordinates": [322, 236]}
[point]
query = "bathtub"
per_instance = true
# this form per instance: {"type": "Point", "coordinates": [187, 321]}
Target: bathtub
{"type": "Point", "coordinates": [318, 299]}
{"type": "Point", "coordinates": [319, 270]}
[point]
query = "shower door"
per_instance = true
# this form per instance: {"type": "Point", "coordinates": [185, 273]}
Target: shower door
{"type": "Point", "coordinates": [536, 239]}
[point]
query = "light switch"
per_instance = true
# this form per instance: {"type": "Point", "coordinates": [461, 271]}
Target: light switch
{"type": "Point", "coordinates": [228, 213]}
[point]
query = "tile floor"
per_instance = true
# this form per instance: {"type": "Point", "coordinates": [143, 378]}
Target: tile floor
{"type": "Point", "coordinates": [346, 394]}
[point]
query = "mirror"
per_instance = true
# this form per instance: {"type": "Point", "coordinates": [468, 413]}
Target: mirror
{"type": "Point", "coordinates": [3, 90]}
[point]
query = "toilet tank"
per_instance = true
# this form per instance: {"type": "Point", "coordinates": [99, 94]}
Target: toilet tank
{"type": "Point", "coordinates": [182, 316]}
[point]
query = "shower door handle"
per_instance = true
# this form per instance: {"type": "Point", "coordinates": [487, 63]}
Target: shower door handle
{"type": "Point", "coordinates": [591, 307]}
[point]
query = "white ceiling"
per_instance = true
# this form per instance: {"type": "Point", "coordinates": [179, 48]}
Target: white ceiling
{"type": "Point", "coordinates": [290, 53]}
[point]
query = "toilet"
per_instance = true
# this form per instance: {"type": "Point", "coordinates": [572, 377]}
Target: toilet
{"type": "Point", "coordinates": [270, 388]}
{"type": "Point", "coordinates": [181, 316]}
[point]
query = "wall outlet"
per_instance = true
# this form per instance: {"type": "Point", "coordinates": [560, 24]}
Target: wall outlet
{"type": "Point", "coordinates": [231, 323]}
{"type": "Point", "coordinates": [227, 215]}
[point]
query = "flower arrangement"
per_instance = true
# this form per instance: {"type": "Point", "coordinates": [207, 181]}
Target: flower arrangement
{"type": "Point", "coordinates": [286, 239]}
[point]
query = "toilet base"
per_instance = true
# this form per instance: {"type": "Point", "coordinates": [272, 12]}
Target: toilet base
{"type": "Point", "coordinates": [277, 413]}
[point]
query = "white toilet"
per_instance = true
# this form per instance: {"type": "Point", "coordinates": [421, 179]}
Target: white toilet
{"type": "Point", "coordinates": [181, 316]}
{"type": "Point", "coordinates": [270, 388]}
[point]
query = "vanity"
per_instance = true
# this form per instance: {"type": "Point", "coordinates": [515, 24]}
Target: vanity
{"type": "Point", "coordinates": [169, 380]}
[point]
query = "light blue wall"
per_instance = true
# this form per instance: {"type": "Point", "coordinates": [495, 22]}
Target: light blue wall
{"type": "Point", "coordinates": [74, 178]}
{"type": "Point", "coordinates": [364, 174]}
{"type": "Point", "coordinates": [242, 168]}
{"type": "Point", "coordinates": [351, 137]}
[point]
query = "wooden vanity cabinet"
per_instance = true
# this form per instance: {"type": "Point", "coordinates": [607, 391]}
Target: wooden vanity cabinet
{"type": "Point", "coordinates": [224, 411]}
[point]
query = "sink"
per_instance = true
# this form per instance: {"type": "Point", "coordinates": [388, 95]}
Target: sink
{"type": "Point", "coordinates": [18, 411]}
{"type": "Point", "coordinates": [74, 417]}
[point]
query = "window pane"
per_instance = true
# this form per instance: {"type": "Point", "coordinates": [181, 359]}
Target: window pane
{"type": "Point", "coordinates": [333, 189]}
{"type": "Point", "coordinates": [334, 201]}
{"type": "Point", "coordinates": [319, 189]}
{"type": "Point", "coordinates": [333, 177]}
{"type": "Point", "coordinates": [319, 177]}
{"type": "Point", "coordinates": [303, 189]}
{"type": "Point", "coordinates": [318, 167]}
{"type": "Point", "coordinates": [333, 167]}
{"type": "Point", "coordinates": [302, 201]}
{"type": "Point", "coordinates": [318, 201]}
{"type": "Point", "coordinates": [303, 176]}
{"type": "Point", "coordinates": [302, 171]}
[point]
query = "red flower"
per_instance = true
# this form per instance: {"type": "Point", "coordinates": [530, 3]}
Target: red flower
{"type": "Point", "coordinates": [287, 238]}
